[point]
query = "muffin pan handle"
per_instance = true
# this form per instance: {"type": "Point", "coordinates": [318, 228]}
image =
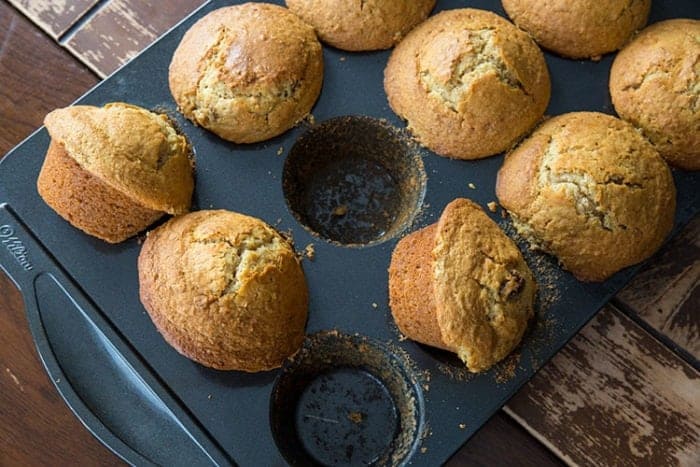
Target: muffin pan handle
{"type": "Point", "coordinates": [103, 381]}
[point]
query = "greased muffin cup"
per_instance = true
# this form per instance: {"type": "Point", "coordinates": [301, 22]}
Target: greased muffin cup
{"type": "Point", "coordinates": [468, 82]}
{"type": "Point", "coordinates": [579, 28]}
{"type": "Point", "coordinates": [225, 290]}
{"type": "Point", "coordinates": [589, 189]}
{"type": "Point", "coordinates": [655, 85]}
{"type": "Point", "coordinates": [247, 72]}
{"type": "Point", "coordinates": [113, 171]}
{"type": "Point", "coordinates": [367, 25]}
{"type": "Point", "coordinates": [462, 285]}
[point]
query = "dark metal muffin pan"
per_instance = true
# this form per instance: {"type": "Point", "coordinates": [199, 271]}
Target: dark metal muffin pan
{"type": "Point", "coordinates": [386, 400]}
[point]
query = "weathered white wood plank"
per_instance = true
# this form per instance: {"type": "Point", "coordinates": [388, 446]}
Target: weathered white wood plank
{"type": "Point", "coordinates": [666, 294]}
{"type": "Point", "coordinates": [122, 28]}
{"type": "Point", "coordinates": [53, 16]}
{"type": "Point", "coordinates": [614, 396]}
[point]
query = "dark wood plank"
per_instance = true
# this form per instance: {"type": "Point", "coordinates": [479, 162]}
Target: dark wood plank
{"type": "Point", "coordinates": [614, 396]}
{"type": "Point", "coordinates": [122, 28]}
{"type": "Point", "coordinates": [37, 427]}
{"type": "Point", "coordinates": [486, 447]}
{"type": "Point", "coordinates": [36, 75]}
{"type": "Point", "coordinates": [666, 294]}
{"type": "Point", "coordinates": [54, 16]}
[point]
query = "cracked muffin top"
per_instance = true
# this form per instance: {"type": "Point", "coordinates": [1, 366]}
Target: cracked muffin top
{"type": "Point", "coordinates": [462, 285]}
{"type": "Point", "coordinates": [225, 290]}
{"type": "Point", "coordinates": [247, 72]}
{"type": "Point", "coordinates": [655, 85]}
{"type": "Point", "coordinates": [579, 28]}
{"type": "Point", "coordinates": [363, 25]}
{"type": "Point", "coordinates": [468, 82]}
{"type": "Point", "coordinates": [130, 149]}
{"type": "Point", "coordinates": [589, 189]}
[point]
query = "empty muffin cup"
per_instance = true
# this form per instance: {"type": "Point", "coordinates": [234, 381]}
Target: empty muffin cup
{"type": "Point", "coordinates": [346, 400]}
{"type": "Point", "coordinates": [354, 180]}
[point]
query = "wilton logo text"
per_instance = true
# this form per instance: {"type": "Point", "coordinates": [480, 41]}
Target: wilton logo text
{"type": "Point", "coordinates": [15, 246]}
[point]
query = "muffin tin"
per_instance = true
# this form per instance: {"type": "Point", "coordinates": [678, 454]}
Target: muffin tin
{"type": "Point", "coordinates": [357, 393]}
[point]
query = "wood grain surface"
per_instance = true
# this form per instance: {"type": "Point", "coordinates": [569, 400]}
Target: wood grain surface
{"type": "Point", "coordinates": [122, 28]}
{"type": "Point", "coordinates": [614, 396]}
{"type": "Point", "coordinates": [666, 294]}
{"type": "Point", "coordinates": [54, 16]}
{"type": "Point", "coordinates": [37, 427]}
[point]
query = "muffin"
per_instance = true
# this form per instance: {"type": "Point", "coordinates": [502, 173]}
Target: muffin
{"type": "Point", "coordinates": [113, 171]}
{"type": "Point", "coordinates": [462, 285]}
{"type": "Point", "coordinates": [579, 28]}
{"type": "Point", "coordinates": [655, 85]}
{"type": "Point", "coordinates": [468, 82]}
{"type": "Point", "coordinates": [368, 25]}
{"type": "Point", "coordinates": [225, 290]}
{"type": "Point", "coordinates": [247, 72]}
{"type": "Point", "coordinates": [589, 189]}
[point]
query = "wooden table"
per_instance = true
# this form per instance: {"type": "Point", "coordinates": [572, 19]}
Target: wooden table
{"type": "Point", "coordinates": [625, 391]}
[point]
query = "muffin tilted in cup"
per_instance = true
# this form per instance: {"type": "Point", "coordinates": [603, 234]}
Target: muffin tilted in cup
{"type": "Point", "coordinates": [462, 285]}
{"type": "Point", "coordinates": [112, 171]}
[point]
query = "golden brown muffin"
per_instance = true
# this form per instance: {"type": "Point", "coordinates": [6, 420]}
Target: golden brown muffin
{"type": "Point", "coordinates": [366, 25]}
{"type": "Point", "coordinates": [225, 290]}
{"type": "Point", "coordinates": [247, 72]}
{"type": "Point", "coordinates": [113, 171]}
{"type": "Point", "coordinates": [468, 82]}
{"type": "Point", "coordinates": [589, 189]}
{"type": "Point", "coordinates": [579, 28]}
{"type": "Point", "coordinates": [462, 285]}
{"type": "Point", "coordinates": [655, 85]}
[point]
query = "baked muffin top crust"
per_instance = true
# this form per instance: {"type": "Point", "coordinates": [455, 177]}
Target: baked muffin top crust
{"type": "Point", "coordinates": [366, 25]}
{"type": "Point", "coordinates": [655, 85]}
{"type": "Point", "coordinates": [468, 82]}
{"type": "Point", "coordinates": [588, 188]}
{"type": "Point", "coordinates": [225, 290]}
{"type": "Point", "coordinates": [247, 72]}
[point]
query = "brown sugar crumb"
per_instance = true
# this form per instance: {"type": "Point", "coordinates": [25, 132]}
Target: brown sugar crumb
{"type": "Point", "coordinates": [472, 186]}
{"type": "Point", "coordinates": [507, 368]}
{"type": "Point", "coordinates": [310, 251]}
{"type": "Point", "coordinates": [340, 210]}
{"type": "Point", "coordinates": [280, 151]}
{"type": "Point", "coordinates": [504, 213]}
{"type": "Point", "coordinates": [493, 206]}
{"type": "Point", "coordinates": [356, 417]}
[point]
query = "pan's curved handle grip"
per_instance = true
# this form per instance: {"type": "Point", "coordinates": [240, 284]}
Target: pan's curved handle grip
{"type": "Point", "coordinates": [101, 378]}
